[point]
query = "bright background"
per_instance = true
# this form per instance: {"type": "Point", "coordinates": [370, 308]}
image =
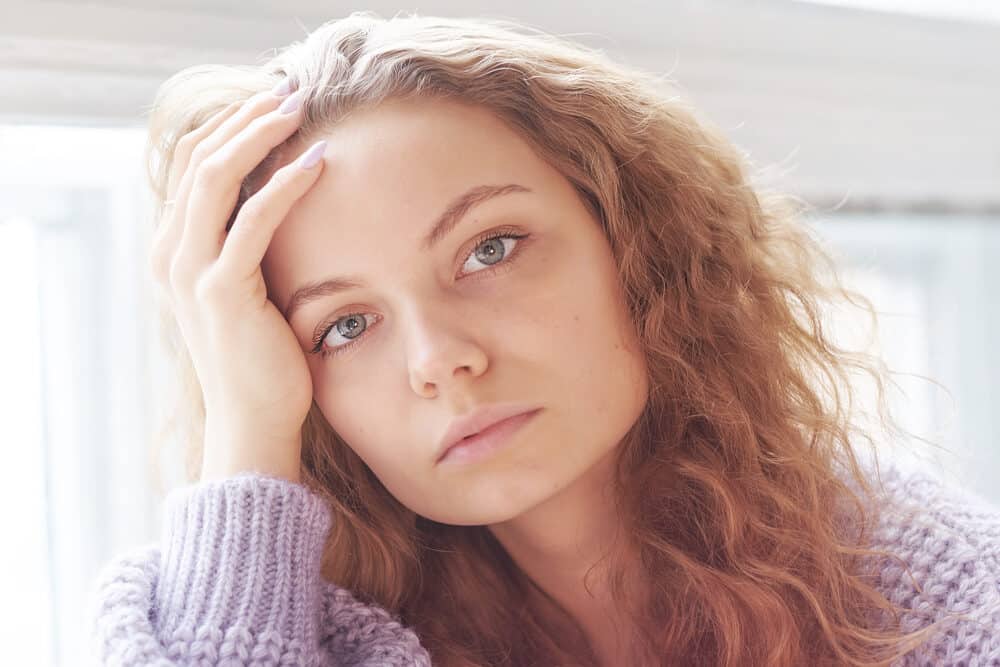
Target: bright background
{"type": "Point", "coordinates": [885, 120]}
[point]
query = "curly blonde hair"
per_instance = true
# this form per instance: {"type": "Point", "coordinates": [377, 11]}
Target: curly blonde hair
{"type": "Point", "coordinates": [727, 481]}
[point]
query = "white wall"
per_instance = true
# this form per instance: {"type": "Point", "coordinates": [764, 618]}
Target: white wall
{"type": "Point", "coordinates": [855, 108]}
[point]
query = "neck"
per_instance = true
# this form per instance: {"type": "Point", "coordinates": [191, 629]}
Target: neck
{"type": "Point", "coordinates": [562, 546]}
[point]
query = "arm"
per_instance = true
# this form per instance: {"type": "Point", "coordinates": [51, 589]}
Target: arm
{"type": "Point", "coordinates": [236, 577]}
{"type": "Point", "coordinates": [236, 580]}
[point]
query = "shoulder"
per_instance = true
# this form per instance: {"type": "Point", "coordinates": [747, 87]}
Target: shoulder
{"type": "Point", "coordinates": [950, 540]}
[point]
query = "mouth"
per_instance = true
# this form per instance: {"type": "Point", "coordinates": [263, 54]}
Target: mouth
{"type": "Point", "coordinates": [480, 445]}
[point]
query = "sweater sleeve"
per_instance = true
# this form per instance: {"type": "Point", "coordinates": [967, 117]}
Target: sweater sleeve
{"type": "Point", "coordinates": [950, 538]}
{"type": "Point", "coordinates": [235, 580]}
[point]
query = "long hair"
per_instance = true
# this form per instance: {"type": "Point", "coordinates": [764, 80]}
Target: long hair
{"type": "Point", "coordinates": [745, 501]}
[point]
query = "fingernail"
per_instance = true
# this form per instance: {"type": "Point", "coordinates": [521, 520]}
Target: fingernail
{"type": "Point", "coordinates": [283, 88]}
{"type": "Point", "coordinates": [291, 103]}
{"type": "Point", "coordinates": [312, 156]}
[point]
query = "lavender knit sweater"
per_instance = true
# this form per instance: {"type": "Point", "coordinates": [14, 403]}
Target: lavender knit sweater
{"type": "Point", "coordinates": [235, 580]}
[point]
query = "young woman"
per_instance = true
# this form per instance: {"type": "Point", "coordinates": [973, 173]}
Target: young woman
{"type": "Point", "coordinates": [401, 233]}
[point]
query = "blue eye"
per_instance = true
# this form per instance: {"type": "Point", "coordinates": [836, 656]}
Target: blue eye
{"type": "Point", "coordinates": [353, 325]}
{"type": "Point", "coordinates": [350, 326]}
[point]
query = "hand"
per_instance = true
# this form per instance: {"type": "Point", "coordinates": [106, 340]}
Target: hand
{"type": "Point", "coordinates": [252, 370]}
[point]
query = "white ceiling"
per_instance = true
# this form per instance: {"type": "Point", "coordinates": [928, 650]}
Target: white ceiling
{"type": "Point", "coordinates": [851, 107]}
{"type": "Point", "coordinates": [961, 10]}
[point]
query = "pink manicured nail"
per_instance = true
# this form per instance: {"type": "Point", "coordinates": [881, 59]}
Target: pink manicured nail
{"type": "Point", "coordinates": [291, 103]}
{"type": "Point", "coordinates": [283, 88]}
{"type": "Point", "coordinates": [312, 156]}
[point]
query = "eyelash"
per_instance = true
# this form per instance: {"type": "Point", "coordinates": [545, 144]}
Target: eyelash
{"type": "Point", "coordinates": [489, 236]}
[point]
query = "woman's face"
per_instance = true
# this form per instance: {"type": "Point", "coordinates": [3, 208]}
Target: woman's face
{"type": "Point", "coordinates": [434, 332]}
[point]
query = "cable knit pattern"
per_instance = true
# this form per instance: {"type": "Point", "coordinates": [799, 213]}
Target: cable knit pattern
{"type": "Point", "coordinates": [235, 580]}
{"type": "Point", "coordinates": [238, 583]}
{"type": "Point", "coordinates": [950, 538]}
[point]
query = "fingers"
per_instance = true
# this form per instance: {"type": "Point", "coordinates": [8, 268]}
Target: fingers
{"type": "Point", "coordinates": [191, 151]}
{"type": "Point", "coordinates": [170, 226]}
{"type": "Point", "coordinates": [260, 216]}
{"type": "Point", "coordinates": [223, 162]}
{"type": "Point", "coordinates": [207, 143]}
{"type": "Point", "coordinates": [187, 143]}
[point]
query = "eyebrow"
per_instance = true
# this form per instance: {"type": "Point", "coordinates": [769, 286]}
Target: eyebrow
{"type": "Point", "coordinates": [447, 221]}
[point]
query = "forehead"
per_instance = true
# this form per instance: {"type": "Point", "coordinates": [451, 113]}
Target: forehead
{"type": "Point", "coordinates": [389, 172]}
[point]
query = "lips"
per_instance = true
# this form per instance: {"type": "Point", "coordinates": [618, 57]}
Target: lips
{"type": "Point", "coordinates": [484, 444]}
{"type": "Point", "coordinates": [477, 420]}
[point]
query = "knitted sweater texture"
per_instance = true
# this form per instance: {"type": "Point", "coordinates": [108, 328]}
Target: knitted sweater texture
{"type": "Point", "coordinates": [235, 580]}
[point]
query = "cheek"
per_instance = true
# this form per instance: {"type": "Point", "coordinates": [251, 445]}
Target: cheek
{"type": "Point", "coordinates": [579, 318]}
{"type": "Point", "coordinates": [343, 393]}
{"type": "Point", "coordinates": [362, 425]}
{"type": "Point", "coordinates": [346, 411]}
{"type": "Point", "coordinates": [593, 340]}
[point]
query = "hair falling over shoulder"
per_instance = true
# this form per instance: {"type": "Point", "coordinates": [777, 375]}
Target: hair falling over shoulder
{"type": "Point", "coordinates": [727, 481]}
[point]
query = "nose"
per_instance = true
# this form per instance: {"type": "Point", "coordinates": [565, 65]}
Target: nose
{"type": "Point", "coordinates": [439, 351]}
